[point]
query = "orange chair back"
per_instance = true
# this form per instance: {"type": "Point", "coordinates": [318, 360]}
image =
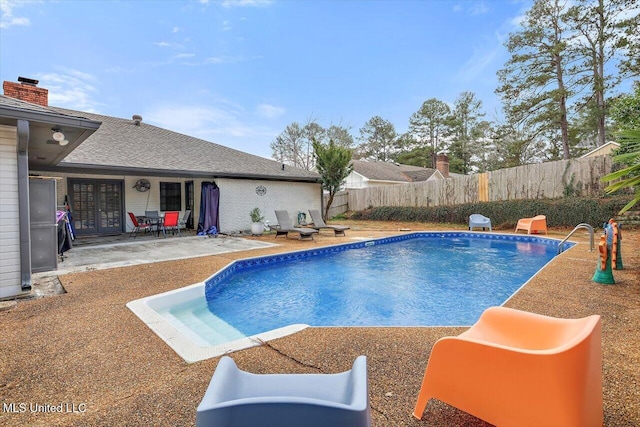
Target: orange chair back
{"type": "Point", "coordinates": [514, 368]}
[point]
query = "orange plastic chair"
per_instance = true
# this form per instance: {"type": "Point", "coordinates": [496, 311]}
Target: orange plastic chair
{"type": "Point", "coordinates": [514, 368]}
{"type": "Point", "coordinates": [537, 224]}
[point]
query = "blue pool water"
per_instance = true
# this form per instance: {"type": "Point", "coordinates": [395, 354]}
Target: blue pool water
{"type": "Point", "coordinates": [423, 279]}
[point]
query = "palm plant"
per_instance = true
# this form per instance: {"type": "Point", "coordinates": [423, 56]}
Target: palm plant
{"type": "Point", "coordinates": [629, 177]}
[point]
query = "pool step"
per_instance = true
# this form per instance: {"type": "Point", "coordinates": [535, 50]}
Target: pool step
{"type": "Point", "coordinates": [204, 328]}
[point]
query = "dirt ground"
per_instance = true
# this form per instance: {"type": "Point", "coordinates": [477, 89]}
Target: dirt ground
{"type": "Point", "coordinates": [85, 353]}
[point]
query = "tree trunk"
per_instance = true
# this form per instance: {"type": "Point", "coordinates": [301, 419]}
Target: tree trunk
{"type": "Point", "coordinates": [564, 125]}
{"type": "Point", "coordinates": [329, 202]}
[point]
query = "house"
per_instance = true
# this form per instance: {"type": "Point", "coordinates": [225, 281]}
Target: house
{"type": "Point", "coordinates": [604, 150]}
{"type": "Point", "coordinates": [374, 173]}
{"type": "Point", "coordinates": [99, 163]}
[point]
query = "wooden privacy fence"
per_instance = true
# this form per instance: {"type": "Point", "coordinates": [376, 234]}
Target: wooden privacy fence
{"type": "Point", "coordinates": [577, 177]}
{"type": "Point", "coordinates": [340, 203]}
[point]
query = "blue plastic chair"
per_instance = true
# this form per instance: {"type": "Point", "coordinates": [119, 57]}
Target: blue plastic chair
{"type": "Point", "coordinates": [236, 398]}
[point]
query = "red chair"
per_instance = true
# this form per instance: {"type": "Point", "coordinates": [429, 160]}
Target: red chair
{"type": "Point", "coordinates": [171, 221]}
{"type": "Point", "coordinates": [137, 226]}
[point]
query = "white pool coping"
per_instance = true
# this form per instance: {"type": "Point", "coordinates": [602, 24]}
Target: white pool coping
{"type": "Point", "coordinates": [177, 339]}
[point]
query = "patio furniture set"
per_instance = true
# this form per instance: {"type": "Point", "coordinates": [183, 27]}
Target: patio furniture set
{"type": "Point", "coordinates": [154, 221]}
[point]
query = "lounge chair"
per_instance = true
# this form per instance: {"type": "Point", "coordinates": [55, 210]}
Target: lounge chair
{"type": "Point", "coordinates": [285, 226]}
{"type": "Point", "coordinates": [537, 224]}
{"type": "Point", "coordinates": [514, 368]}
{"type": "Point", "coordinates": [319, 224]}
{"type": "Point", "coordinates": [236, 398]}
{"type": "Point", "coordinates": [477, 220]}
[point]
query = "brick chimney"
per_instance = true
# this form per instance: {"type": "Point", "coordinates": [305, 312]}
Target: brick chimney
{"type": "Point", "coordinates": [27, 90]}
{"type": "Point", "coordinates": [442, 164]}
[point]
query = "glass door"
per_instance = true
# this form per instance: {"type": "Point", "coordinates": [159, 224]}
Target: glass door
{"type": "Point", "coordinates": [96, 206]}
{"type": "Point", "coordinates": [189, 201]}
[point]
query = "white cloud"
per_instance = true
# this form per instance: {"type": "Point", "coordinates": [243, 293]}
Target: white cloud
{"type": "Point", "coordinates": [224, 59]}
{"type": "Point", "coordinates": [270, 111]}
{"type": "Point", "coordinates": [243, 3]}
{"type": "Point", "coordinates": [478, 63]}
{"type": "Point", "coordinates": [175, 30]}
{"type": "Point", "coordinates": [7, 17]}
{"type": "Point", "coordinates": [478, 8]}
{"type": "Point", "coordinates": [184, 55]}
{"type": "Point", "coordinates": [471, 8]}
{"type": "Point", "coordinates": [220, 123]}
{"type": "Point", "coordinates": [71, 89]}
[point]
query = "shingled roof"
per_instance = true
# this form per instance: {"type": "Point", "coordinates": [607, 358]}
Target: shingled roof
{"type": "Point", "coordinates": [120, 144]}
{"type": "Point", "coordinates": [385, 171]}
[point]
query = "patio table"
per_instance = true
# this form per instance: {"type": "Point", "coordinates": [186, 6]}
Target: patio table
{"type": "Point", "coordinates": [152, 221]}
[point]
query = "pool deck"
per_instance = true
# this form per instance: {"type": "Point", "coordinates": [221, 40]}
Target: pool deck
{"type": "Point", "coordinates": [86, 351]}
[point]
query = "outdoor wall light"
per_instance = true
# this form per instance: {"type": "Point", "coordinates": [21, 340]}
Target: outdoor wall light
{"type": "Point", "coordinates": [59, 137]}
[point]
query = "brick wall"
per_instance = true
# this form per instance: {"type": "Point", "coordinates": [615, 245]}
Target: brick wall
{"type": "Point", "coordinates": [26, 92]}
{"type": "Point", "coordinates": [238, 197]}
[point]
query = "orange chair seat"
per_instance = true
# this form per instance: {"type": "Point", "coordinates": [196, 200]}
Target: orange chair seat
{"type": "Point", "coordinates": [537, 224]}
{"type": "Point", "coordinates": [514, 368]}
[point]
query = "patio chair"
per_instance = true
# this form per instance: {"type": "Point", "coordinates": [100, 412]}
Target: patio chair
{"type": "Point", "coordinates": [170, 222]}
{"type": "Point", "coordinates": [236, 398]}
{"type": "Point", "coordinates": [137, 226]}
{"type": "Point", "coordinates": [154, 220]}
{"type": "Point", "coordinates": [477, 220]}
{"type": "Point", "coordinates": [319, 224]}
{"type": "Point", "coordinates": [285, 226]}
{"type": "Point", "coordinates": [537, 224]}
{"type": "Point", "coordinates": [185, 219]}
{"type": "Point", "coordinates": [514, 368]}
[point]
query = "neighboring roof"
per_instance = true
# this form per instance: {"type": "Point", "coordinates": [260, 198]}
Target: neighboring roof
{"type": "Point", "coordinates": [603, 150]}
{"type": "Point", "coordinates": [385, 171]}
{"type": "Point", "coordinates": [121, 145]}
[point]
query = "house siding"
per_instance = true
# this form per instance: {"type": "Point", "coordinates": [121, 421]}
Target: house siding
{"type": "Point", "coordinates": [9, 231]}
{"type": "Point", "coordinates": [237, 197]}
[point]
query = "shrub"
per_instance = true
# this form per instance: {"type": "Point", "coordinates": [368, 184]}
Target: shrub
{"type": "Point", "coordinates": [564, 212]}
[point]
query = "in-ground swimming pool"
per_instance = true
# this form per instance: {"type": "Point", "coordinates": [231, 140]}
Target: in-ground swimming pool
{"type": "Point", "coordinates": [419, 279]}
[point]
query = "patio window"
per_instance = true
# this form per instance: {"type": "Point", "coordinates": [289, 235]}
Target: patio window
{"type": "Point", "coordinates": [170, 196]}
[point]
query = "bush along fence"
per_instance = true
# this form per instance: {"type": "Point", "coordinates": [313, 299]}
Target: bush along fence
{"type": "Point", "coordinates": [561, 212]}
{"type": "Point", "coordinates": [576, 177]}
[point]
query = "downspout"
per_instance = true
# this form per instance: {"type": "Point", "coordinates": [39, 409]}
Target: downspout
{"type": "Point", "coordinates": [23, 204]}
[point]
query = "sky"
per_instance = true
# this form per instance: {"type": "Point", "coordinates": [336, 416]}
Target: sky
{"type": "Point", "coordinates": [237, 72]}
